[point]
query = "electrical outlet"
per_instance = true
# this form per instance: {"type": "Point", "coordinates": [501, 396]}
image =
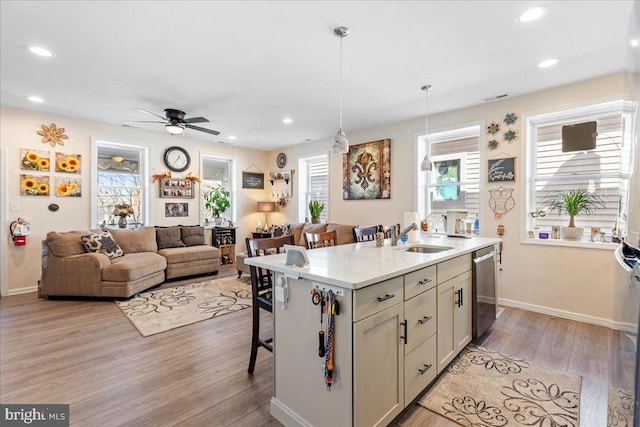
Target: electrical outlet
{"type": "Point", "coordinates": [15, 206]}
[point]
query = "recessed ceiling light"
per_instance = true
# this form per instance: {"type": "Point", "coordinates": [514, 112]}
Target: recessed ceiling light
{"type": "Point", "coordinates": [635, 43]}
{"type": "Point", "coordinates": [41, 51]}
{"type": "Point", "coordinates": [287, 121]}
{"type": "Point", "coordinates": [231, 137]}
{"type": "Point", "coordinates": [35, 99]}
{"type": "Point", "coordinates": [533, 14]}
{"type": "Point", "coordinates": [548, 63]}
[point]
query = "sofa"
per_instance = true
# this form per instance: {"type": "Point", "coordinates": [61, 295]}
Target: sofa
{"type": "Point", "coordinates": [120, 262]}
{"type": "Point", "coordinates": [344, 236]}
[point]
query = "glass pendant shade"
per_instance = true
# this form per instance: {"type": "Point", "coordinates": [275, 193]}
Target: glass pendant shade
{"type": "Point", "coordinates": [340, 143]}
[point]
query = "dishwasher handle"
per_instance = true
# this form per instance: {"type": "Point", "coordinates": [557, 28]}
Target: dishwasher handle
{"type": "Point", "coordinates": [484, 257]}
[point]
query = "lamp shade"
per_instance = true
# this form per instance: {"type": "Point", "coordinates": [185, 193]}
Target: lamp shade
{"type": "Point", "coordinates": [266, 206]}
{"type": "Point", "coordinates": [174, 129]}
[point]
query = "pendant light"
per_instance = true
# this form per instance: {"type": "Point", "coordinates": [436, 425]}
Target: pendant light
{"type": "Point", "coordinates": [426, 162]}
{"type": "Point", "coordinates": [340, 142]}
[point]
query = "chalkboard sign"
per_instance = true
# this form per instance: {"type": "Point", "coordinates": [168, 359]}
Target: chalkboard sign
{"type": "Point", "coordinates": [253, 180]}
{"type": "Point", "coordinates": [502, 169]}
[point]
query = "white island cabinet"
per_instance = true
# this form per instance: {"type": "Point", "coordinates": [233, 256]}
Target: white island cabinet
{"type": "Point", "coordinates": [387, 336]}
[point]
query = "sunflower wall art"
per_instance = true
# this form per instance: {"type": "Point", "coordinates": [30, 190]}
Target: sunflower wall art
{"type": "Point", "coordinates": [32, 185]}
{"type": "Point", "coordinates": [34, 160]}
{"type": "Point", "coordinates": [68, 187]}
{"type": "Point", "coordinates": [69, 163]}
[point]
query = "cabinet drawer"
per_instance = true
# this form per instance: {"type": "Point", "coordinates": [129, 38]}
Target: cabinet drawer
{"type": "Point", "coordinates": [420, 313]}
{"type": "Point", "coordinates": [454, 267]}
{"type": "Point", "coordinates": [419, 369]}
{"type": "Point", "coordinates": [377, 297]}
{"type": "Point", "coordinates": [419, 281]}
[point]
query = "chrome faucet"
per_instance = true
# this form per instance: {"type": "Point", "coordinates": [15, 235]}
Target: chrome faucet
{"type": "Point", "coordinates": [396, 233]}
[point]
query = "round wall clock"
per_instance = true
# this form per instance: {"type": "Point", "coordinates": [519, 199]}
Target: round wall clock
{"type": "Point", "coordinates": [177, 159]}
{"type": "Point", "coordinates": [281, 160]}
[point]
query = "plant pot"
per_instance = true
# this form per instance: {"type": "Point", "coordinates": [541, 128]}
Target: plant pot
{"type": "Point", "coordinates": [217, 220]}
{"type": "Point", "coordinates": [315, 220]}
{"type": "Point", "coordinates": [571, 233]}
{"type": "Point", "coordinates": [122, 222]}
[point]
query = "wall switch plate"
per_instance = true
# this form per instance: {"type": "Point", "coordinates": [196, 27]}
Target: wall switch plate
{"type": "Point", "coordinates": [15, 206]}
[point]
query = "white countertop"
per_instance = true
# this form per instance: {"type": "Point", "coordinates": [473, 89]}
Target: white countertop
{"type": "Point", "coordinates": [358, 265]}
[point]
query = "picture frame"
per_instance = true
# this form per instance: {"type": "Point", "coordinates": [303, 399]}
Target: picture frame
{"type": "Point", "coordinates": [501, 170]}
{"type": "Point", "coordinates": [253, 180]}
{"type": "Point", "coordinates": [366, 171]}
{"type": "Point", "coordinates": [176, 188]}
{"type": "Point", "coordinates": [176, 210]}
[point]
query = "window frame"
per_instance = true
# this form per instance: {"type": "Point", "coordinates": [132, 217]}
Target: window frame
{"type": "Point", "coordinates": [574, 114]}
{"type": "Point", "coordinates": [96, 143]}
{"type": "Point", "coordinates": [303, 187]}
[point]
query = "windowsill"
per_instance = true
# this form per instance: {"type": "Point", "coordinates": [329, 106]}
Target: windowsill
{"type": "Point", "coordinates": [571, 244]}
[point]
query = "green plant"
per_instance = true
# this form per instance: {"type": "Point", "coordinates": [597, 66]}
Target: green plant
{"type": "Point", "coordinates": [217, 201]}
{"type": "Point", "coordinates": [573, 203]}
{"type": "Point", "coordinates": [315, 208]}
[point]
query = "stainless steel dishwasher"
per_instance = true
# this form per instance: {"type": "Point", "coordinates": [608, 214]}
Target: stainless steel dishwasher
{"type": "Point", "coordinates": [483, 290]}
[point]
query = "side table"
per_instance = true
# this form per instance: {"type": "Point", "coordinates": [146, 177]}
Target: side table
{"type": "Point", "coordinates": [259, 235]}
{"type": "Point", "coordinates": [227, 254]}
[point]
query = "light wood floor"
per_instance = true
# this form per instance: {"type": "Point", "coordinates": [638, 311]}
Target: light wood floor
{"type": "Point", "coordinates": [86, 353]}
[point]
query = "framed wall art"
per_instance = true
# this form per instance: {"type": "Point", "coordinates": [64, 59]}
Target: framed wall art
{"type": "Point", "coordinates": [175, 210]}
{"type": "Point", "coordinates": [500, 170]}
{"type": "Point", "coordinates": [68, 187]}
{"type": "Point", "coordinates": [34, 185]}
{"type": "Point", "coordinates": [253, 180]}
{"type": "Point", "coordinates": [176, 188]}
{"type": "Point", "coordinates": [68, 163]}
{"type": "Point", "coordinates": [366, 171]}
{"type": "Point", "coordinates": [34, 160]}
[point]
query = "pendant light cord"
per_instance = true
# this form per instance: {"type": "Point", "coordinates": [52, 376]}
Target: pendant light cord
{"type": "Point", "coordinates": [341, 56]}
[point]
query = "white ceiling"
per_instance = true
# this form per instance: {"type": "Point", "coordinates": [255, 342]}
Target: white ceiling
{"type": "Point", "coordinates": [246, 65]}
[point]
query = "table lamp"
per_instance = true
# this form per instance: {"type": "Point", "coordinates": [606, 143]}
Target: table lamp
{"type": "Point", "coordinates": [266, 207]}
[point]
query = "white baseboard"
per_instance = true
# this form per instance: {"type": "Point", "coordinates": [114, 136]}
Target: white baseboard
{"type": "Point", "coordinates": [286, 416]}
{"type": "Point", "coordinates": [19, 291]}
{"type": "Point", "coordinates": [599, 321]}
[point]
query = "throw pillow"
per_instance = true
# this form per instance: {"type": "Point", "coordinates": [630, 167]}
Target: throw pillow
{"type": "Point", "coordinates": [103, 243]}
{"type": "Point", "coordinates": [168, 237]}
{"type": "Point", "coordinates": [279, 230]}
{"type": "Point", "coordinates": [192, 235]}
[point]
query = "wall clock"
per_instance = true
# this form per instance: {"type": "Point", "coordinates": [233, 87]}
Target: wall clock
{"type": "Point", "coordinates": [281, 160]}
{"type": "Point", "coordinates": [177, 159]}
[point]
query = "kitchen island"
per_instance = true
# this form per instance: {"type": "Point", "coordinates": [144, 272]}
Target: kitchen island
{"type": "Point", "coordinates": [403, 316]}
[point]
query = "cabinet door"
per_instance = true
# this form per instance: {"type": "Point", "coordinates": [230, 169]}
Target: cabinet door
{"type": "Point", "coordinates": [446, 345]}
{"type": "Point", "coordinates": [379, 368]}
{"type": "Point", "coordinates": [462, 319]}
{"type": "Point", "coordinates": [420, 312]}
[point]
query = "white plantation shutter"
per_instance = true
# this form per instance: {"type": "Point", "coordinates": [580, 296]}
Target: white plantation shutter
{"type": "Point", "coordinates": [603, 170]}
{"type": "Point", "coordinates": [317, 184]}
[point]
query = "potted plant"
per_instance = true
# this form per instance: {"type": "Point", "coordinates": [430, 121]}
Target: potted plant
{"type": "Point", "coordinates": [216, 202]}
{"type": "Point", "coordinates": [315, 209]}
{"type": "Point", "coordinates": [573, 202]}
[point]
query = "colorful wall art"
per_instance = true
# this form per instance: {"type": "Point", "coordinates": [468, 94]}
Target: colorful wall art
{"type": "Point", "coordinates": [68, 163]}
{"type": "Point", "coordinates": [68, 187]}
{"type": "Point", "coordinates": [34, 160]}
{"type": "Point", "coordinates": [33, 185]}
{"type": "Point", "coordinates": [366, 171]}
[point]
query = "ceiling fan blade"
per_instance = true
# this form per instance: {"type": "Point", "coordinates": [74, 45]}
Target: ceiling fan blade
{"type": "Point", "coordinates": [196, 120]}
{"type": "Point", "coordinates": [212, 132]}
{"type": "Point", "coordinates": [143, 121]}
{"type": "Point", "coordinates": [153, 114]}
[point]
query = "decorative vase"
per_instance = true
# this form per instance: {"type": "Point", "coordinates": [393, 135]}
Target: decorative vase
{"type": "Point", "coordinates": [122, 222]}
{"type": "Point", "coordinates": [571, 233]}
{"type": "Point", "coordinates": [315, 220]}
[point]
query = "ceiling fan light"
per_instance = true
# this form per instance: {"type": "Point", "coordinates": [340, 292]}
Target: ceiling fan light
{"type": "Point", "coordinates": [174, 128]}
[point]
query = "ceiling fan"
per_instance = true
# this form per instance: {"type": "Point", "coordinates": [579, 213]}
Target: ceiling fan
{"type": "Point", "coordinates": [175, 122]}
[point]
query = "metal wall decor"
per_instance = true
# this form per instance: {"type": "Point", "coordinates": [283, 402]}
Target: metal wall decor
{"type": "Point", "coordinates": [493, 128]}
{"type": "Point", "coordinates": [511, 135]}
{"type": "Point", "coordinates": [501, 201]}
{"type": "Point", "coordinates": [510, 118]}
{"type": "Point", "coordinates": [366, 171]}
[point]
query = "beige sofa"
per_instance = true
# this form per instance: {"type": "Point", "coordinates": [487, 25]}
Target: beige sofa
{"type": "Point", "coordinates": [344, 236]}
{"type": "Point", "coordinates": [150, 255]}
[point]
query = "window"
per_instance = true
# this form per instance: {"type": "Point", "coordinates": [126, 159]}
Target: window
{"type": "Point", "coordinates": [218, 172]}
{"type": "Point", "coordinates": [453, 184]}
{"type": "Point", "coordinates": [313, 184]}
{"type": "Point", "coordinates": [603, 170]}
{"type": "Point", "coordinates": [119, 178]}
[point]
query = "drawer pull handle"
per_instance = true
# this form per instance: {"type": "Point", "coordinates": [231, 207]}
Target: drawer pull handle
{"type": "Point", "coordinates": [425, 369]}
{"type": "Point", "coordinates": [386, 297]}
{"type": "Point", "coordinates": [424, 281]}
{"type": "Point", "coordinates": [424, 320]}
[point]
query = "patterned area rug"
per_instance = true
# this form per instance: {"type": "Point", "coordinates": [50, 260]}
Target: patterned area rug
{"type": "Point", "coordinates": [486, 388]}
{"type": "Point", "coordinates": [620, 408]}
{"type": "Point", "coordinates": [161, 310]}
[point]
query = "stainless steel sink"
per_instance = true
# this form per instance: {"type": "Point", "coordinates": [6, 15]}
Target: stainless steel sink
{"type": "Point", "coordinates": [428, 249]}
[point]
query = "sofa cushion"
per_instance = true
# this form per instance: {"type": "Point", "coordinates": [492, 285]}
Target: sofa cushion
{"type": "Point", "coordinates": [296, 230]}
{"type": "Point", "coordinates": [66, 243]}
{"type": "Point", "coordinates": [279, 230]}
{"type": "Point", "coordinates": [344, 233]}
{"type": "Point", "coordinates": [191, 253]}
{"type": "Point", "coordinates": [311, 228]}
{"type": "Point", "coordinates": [168, 237]}
{"type": "Point", "coordinates": [133, 267]}
{"type": "Point", "coordinates": [142, 239]}
{"type": "Point", "coordinates": [192, 235]}
{"type": "Point", "coordinates": [103, 243]}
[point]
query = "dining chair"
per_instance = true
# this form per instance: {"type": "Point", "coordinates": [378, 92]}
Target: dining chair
{"type": "Point", "coordinates": [321, 240]}
{"type": "Point", "coordinates": [262, 289]}
{"type": "Point", "coordinates": [365, 234]}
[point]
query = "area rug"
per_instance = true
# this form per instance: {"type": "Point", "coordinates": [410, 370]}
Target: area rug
{"type": "Point", "coordinates": [164, 309]}
{"type": "Point", "coordinates": [620, 408]}
{"type": "Point", "coordinates": [485, 388]}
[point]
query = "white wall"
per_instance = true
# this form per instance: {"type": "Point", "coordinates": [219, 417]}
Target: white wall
{"type": "Point", "coordinates": [18, 131]}
{"type": "Point", "coordinates": [572, 282]}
